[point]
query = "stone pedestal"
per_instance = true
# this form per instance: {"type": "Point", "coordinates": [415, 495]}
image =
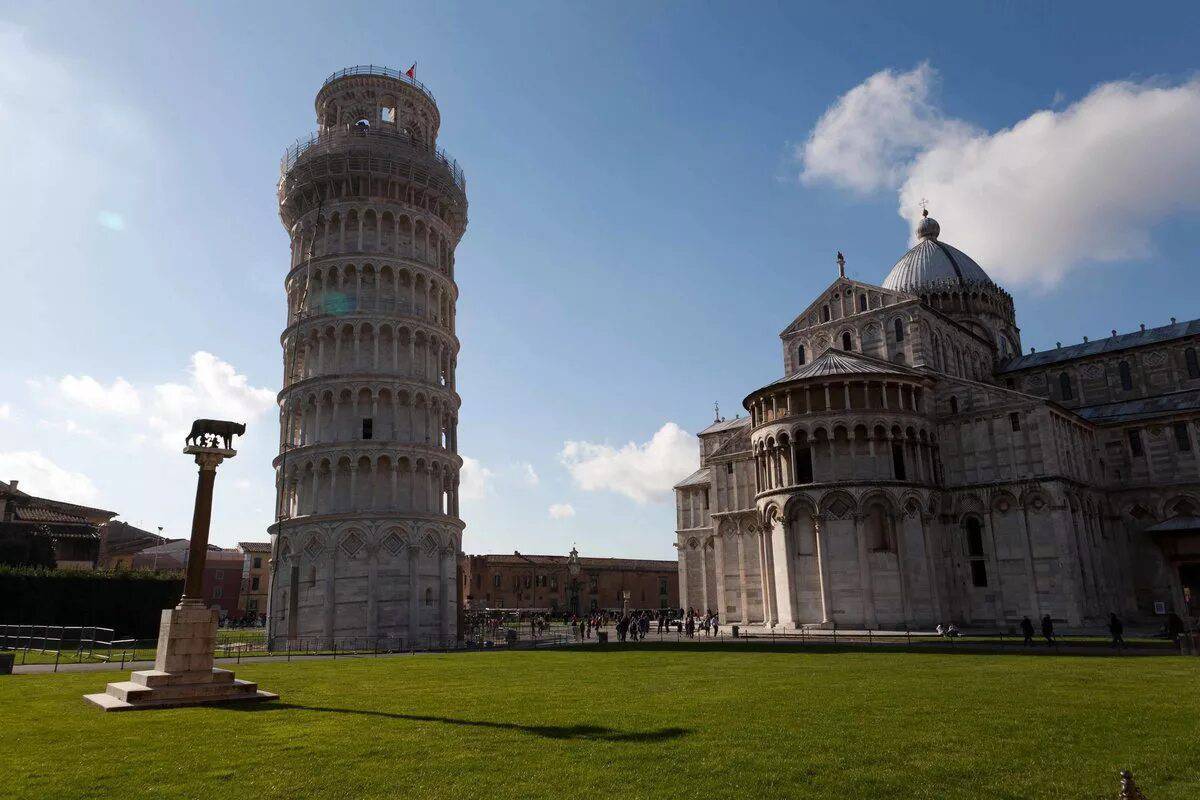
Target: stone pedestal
{"type": "Point", "coordinates": [183, 673]}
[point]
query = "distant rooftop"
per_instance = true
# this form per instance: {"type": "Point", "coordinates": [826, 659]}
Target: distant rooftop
{"type": "Point", "coordinates": [725, 425]}
{"type": "Point", "coordinates": [1109, 344]}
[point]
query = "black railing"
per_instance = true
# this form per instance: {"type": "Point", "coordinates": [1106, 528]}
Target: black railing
{"type": "Point", "coordinates": [331, 138]}
{"type": "Point", "coordinates": [386, 72]}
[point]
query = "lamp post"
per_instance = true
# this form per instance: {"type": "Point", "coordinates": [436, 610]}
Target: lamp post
{"type": "Point", "coordinates": [573, 570]}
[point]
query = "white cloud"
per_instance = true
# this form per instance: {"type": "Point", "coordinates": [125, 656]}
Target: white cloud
{"type": "Point", "coordinates": [561, 511]}
{"type": "Point", "coordinates": [215, 390]}
{"type": "Point", "coordinates": [475, 480]}
{"type": "Point", "coordinates": [40, 476]}
{"type": "Point", "coordinates": [5, 411]}
{"type": "Point", "coordinates": [86, 391]}
{"type": "Point", "coordinates": [529, 474]}
{"type": "Point", "coordinates": [642, 472]}
{"type": "Point", "coordinates": [1031, 202]}
{"type": "Point", "coordinates": [867, 139]}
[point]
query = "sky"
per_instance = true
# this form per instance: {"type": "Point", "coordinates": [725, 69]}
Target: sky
{"type": "Point", "coordinates": [656, 191]}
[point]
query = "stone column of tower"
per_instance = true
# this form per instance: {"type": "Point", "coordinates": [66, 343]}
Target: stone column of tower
{"type": "Point", "coordinates": [367, 473]}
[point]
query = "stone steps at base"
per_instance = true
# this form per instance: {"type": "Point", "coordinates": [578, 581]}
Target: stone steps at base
{"type": "Point", "coordinates": [136, 693]}
{"type": "Point", "coordinates": [108, 702]}
{"type": "Point", "coordinates": [155, 678]}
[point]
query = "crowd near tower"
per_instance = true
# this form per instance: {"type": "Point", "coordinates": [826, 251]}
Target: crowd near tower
{"type": "Point", "coordinates": [367, 530]}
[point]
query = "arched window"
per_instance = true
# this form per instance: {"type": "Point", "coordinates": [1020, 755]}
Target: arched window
{"type": "Point", "coordinates": [862, 302]}
{"type": "Point", "coordinates": [800, 358]}
{"type": "Point", "coordinates": [879, 529]}
{"type": "Point", "coordinates": [847, 342]}
{"type": "Point", "coordinates": [975, 551]}
{"type": "Point", "coordinates": [824, 313]}
{"type": "Point", "coordinates": [953, 404]}
{"type": "Point", "coordinates": [1193, 363]}
{"type": "Point", "coordinates": [1126, 376]}
{"type": "Point", "coordinates": [1064, 386]}
{"type": "Point", "coordinates": [429, 597]}
{"type": "Point", "coordinates": [899, 326]}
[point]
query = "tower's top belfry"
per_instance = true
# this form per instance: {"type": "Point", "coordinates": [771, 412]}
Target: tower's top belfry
{"type": "Point", "coordinates": [380, 97]}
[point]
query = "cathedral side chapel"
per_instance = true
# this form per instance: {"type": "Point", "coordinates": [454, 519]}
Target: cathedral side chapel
{"type": "Point", "coordinates": [914, 467]}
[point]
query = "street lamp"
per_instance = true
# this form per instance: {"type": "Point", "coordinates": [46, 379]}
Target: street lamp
{"type": "Point", "coordinates": [573, 568]}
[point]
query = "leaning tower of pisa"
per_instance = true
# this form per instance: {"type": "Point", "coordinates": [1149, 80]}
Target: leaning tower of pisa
{"type": "Point", "coordinates": [367, 531]}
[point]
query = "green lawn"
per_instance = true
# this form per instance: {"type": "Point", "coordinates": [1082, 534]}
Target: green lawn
{"type": "Point", "coordinates": [725, 722]}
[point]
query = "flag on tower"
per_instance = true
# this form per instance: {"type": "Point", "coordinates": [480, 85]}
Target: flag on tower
{"type": "Point", "coordinates": [412, 70]}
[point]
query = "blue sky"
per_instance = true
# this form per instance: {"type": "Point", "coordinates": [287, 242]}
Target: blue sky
{"type": "Point", "coordinates": [655, 191]}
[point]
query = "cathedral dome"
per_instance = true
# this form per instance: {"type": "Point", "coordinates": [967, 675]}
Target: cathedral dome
{"type": "Point", "coordinates": [934, 266]}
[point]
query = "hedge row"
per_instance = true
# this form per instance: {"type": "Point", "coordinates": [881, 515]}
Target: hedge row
{"type": "Point", "coordinates": [129, 602]}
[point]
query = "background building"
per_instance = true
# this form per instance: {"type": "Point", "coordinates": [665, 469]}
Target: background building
{"type": "Point", "coordinates": [222, 586]}
{"type": "Point", "coordinates": [368, 530]}
{"type": "Point", "coordinates": [912, 467]}
{"type": "Point", "coordinates": [256, 577]}
{"type": "Point", "coordinates": [499, 580]}
{"type": "Point", "coordinates": [120, 542]}
{"type": "Point", "coordinates": [73, 530]}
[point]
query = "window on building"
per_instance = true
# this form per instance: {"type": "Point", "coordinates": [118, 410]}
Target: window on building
{"type": "Point", "coordinates": [387, 114]}
{"type": "Point", "coordinates": [218, 592]}
{"type": "Point", "coordinates": [429, 597]}
{"type": "Point", "coordinates": [1135, 442]}
{"type": "Point", "coordinates": [953, 404]}
{"type": "Point", "coordinates": [496, 581]}
{"type": "Point", "coordinates": [553, 582]}
{"type": "Point", "coordinates": [219, 575]}
{"type": "Point", "coordinates": [804, 465]}
{"type": "Point", "coordinates": [368, 427]}
{"type": "Point", "coordinates": [1193, 362]}
{"type": "Point", "coordinates": [729, 468]}
{"type": "Point", "coordinates": [662, 586]}
{"type": "Point", "coordinates": [252, 604]}
{"type": "Point", "coordinates": [975, 551]}
{"type": "Point", "coordinates": [592, 583]}
{"type": "Point", "coordinates": [1182, 440]}
{"type": "Point", "coordinates": [898, 462]}
{"type": "Point", "coordinates": [847, 342]}
{"type": "Point", "coordinates": [254, 583]}
{"type": "Point", "coordinates": [800, 355]}
{"type": "Point", "coordinates": [1014, 419]}
{"type": "Point", "coordinates": [478, 580]}
{"type": "Point", "coordinates": [824, 313]}
{"type": "Point", "coordinates": [1064, 386]}
{"type": "Point", "coordinates": [1126, 376]}
{"type": "Point", "coordinates": [898, 325]}
{"type": "Point", "coordinates": [258, 562]}
{"type": "Point", "coordinates": [862, 302]}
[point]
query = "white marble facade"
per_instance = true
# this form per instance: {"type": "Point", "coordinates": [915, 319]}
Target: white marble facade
{"type": "Point", "coordinates": [911, 467]}
{"type": "Point", "coordinates": [368, 532]}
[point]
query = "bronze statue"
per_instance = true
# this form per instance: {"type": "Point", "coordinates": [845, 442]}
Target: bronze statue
{"type": "Point", "coordinates": [211, 432]}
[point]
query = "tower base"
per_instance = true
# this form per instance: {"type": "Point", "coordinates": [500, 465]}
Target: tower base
{"type": "Point", "coordinates": [183, 673]}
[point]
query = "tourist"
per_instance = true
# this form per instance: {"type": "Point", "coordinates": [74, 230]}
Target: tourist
{"type": "Point", "coordinates": [690, 625]}
{"type": "Point", "coordinates": [1027, 630]}
{"type": "Point", "coordinates": [715, 625]}
{"type": "Point", "coordinates": [1048, 630]}
{"type": "Point", "coordinates": [940, 630]}
{"type": "Point", "coordinates": [1117, 629]}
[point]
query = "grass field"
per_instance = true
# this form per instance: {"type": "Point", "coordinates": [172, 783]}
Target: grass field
{"type": "Point", "coordinates": [656, 722]}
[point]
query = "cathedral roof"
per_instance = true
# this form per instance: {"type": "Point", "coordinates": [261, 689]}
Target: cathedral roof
{"type": "Point", "coordinates": [845, 362]}
{"type": "Point", "coordinates": [698, 478]}
{"type": "Point", "coordinates": [932, 265]}
{"type": "Point", "coordinates": [1142, 408]}
{"type": "Point", "coordinates": [725, 425]}
{"type": "Point", "coordinates": [1176, 330]}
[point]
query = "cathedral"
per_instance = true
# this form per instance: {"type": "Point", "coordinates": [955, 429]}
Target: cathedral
{"type": "Point", "coordinates": [916, 466]}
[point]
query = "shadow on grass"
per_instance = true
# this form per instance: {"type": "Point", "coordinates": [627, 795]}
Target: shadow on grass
{"type": "Point", "coordinates": [932, 648]}
{"type": "Point", "coordinates": [596, 733]}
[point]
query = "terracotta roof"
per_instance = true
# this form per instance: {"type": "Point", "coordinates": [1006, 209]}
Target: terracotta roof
{"type": "Point", "coordinates": [1111, 344]}
{"type": "Point", "coordinates": [255, 547]}
{"type": "Point", "coordinates": [42, 514]}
